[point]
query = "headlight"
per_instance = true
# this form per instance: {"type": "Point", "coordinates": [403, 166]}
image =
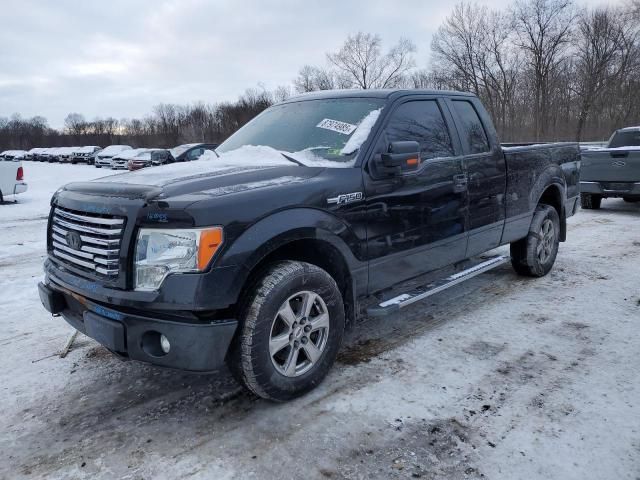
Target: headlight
{"type": "Point", "coordinates": [160, 252]}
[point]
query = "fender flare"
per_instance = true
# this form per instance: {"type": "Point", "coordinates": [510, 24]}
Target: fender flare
{"type": "Point", "coordinates": [283, 227]}
{"type": "Point", "coordinates": [552, 176]}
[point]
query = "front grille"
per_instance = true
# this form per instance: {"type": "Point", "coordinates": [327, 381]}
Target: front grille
{"type": "Point", "coordinates": [99, 246]}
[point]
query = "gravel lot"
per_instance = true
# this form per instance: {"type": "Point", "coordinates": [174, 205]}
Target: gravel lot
{"type": "Point", "coordinates": [500, 377]}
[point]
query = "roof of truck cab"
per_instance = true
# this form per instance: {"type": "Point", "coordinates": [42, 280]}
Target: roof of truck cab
{"type": "Point", "coordinates": [629, 129]}
{"type": "Point", "coordinates": [372, 93]}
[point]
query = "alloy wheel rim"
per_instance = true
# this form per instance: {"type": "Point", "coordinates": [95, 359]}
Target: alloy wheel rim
{"type": "Point", "coordinates": [546, 242]}
{"type": "Point", "coordinates": [299, 333]}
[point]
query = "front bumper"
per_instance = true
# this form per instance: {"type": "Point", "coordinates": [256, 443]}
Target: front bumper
{"type": "Point", "coordinates": [194, 346]}
{"type": "Point", "coordinates": [611, 189]}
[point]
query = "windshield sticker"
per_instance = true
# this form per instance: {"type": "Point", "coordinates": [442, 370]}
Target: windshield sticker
{"type": "Point", "coordinates": [337, 126]}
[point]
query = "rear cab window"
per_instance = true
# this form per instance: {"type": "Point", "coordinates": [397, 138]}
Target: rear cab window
{"type": "Point", "coordinates": [625, 138]}
{"type": "Point", "coordinates": [472, 133]}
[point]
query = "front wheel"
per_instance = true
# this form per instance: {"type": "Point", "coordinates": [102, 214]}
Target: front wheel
{"type": "Point", "coordinates": [590, 201]}
{"type": "Point", "coordinates": [535, 254]}
{"type": "Point", "coordinates": [631, 199]}
{"type": "Point", "coordinates": [292, 325]}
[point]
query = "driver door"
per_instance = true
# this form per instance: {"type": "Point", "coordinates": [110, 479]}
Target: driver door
{"type": "Point", "coordinates": [416, 221]}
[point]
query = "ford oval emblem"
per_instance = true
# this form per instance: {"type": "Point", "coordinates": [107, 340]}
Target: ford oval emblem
{"type": "Point", "coordinates": [74, 240]}
{"type": "Point", "coordinates": [618, 163]}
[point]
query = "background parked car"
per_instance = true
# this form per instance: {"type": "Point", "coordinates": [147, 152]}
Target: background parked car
{"type": "Point", "coordinates": [162, 158]}
{"type": "Point", "coordinates": [104, 157]}
{"type": "Point", "coordinates": [190, 151]}
{"type": "Point", "coordinates": [11, 177]}
{"type": "Point", "coordinates": [31, 154]}
{"type": "Point", "coordinates": [65, 154]}
{"type": "Point", "coordinates": [120, 161]}
{"type": "Point", "coordinates": [53, 155]}
{"type": "Point", "coordinates": [13, 154]}
{"type": "Point", "coordinates": [43, 155]}
{"type": "Point", "coordinates": [85, 154]}
{"type": "Point", "coordinates": [153, 156]}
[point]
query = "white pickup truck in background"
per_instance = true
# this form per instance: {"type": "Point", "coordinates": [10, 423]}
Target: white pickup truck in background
{"type": "Point", "coordinates": [11, 178]}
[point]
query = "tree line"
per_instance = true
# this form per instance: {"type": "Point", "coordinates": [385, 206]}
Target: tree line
{"type": "Point", "coordinates": [545, 69]}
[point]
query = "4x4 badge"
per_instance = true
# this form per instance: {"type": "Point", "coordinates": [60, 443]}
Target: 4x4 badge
{"type": "Point", "coordinates": [346, 198]}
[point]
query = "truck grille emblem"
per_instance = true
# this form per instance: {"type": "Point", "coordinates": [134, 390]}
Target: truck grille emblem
{"type": "Point", "coordinates": [74, 240]}
{"type": "Point", "coordinates": [618, 163]}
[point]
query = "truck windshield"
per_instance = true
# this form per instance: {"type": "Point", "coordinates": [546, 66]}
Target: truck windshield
{"type": "Point", "coordinates": [625, 138]}
{"type": "Point", "coordinates": [313, 132]}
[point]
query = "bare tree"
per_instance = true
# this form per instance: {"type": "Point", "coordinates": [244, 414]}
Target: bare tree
{"type": "Point", "coordinates": [473, 51]}
{"type": "Point", "coordinates": [361, 61]}
{"type": "Point", "coordinates": [311, 78]}
{"type": "Point", "coordinates": [75, 123]}
{"type": "Point", "coordinates": [544, 32]}
{"type": "Point", "coordinates": [599, 49]}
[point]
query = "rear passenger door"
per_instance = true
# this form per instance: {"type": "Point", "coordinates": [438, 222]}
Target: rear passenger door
{"type": "Point", "coordinates": [484, 166]}
{"type": "Point", "coordinates": [416, 220]}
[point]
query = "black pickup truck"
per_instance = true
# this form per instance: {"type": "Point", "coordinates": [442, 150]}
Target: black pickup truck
{"type": "Point", "coordinates": [324, 207]}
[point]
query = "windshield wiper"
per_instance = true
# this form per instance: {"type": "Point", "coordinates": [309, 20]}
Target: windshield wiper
{"type": "Point", "coordinates": [293, 160]}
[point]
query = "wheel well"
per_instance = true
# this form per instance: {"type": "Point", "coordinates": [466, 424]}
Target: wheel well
{"type": "Point", "coordinates": [319, 253]}
{"type": "Point", "coordinates": [552, 196]}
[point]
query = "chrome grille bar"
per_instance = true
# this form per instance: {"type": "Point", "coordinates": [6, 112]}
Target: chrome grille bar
{"type": "Point", "coordinates": [89, 239]}
{"type": "Point", "coordinates": [100, 236]}
{"type": "Point", "coordinates": [86, 228]}
{"type": "Point", "coordinates": [83, 218]}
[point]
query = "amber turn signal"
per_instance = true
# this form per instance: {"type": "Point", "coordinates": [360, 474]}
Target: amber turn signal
{"type": "Point", "coordinates": [210, 240]}
{"type": "Point", "coordinates": [413, 162]}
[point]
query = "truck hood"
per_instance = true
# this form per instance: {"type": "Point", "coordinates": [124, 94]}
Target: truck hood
{"type": "Point", "coordinates": [196, 179]}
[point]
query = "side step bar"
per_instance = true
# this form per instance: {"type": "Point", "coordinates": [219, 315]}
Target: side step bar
{"type": "Point", "coordinates": [400, 301]}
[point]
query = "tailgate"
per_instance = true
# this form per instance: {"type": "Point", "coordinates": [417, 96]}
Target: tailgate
{"type": "Point", "coordinates": [610, 166]}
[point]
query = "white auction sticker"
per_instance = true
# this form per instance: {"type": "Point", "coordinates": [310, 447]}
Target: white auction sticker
{"type": "Point", "coordinates": [337, 126]}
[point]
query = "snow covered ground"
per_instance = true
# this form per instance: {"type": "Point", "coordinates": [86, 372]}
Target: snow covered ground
{"type": "Point", "coordinates": [501, 377]}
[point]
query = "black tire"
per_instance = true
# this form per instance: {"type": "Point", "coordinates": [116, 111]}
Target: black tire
{"type": "Point", "coordinates": [98, 166]}
{"type": "Point", "coordinates": [631, 199]}
{"type": "Point", "coordinates": [590, 201]}
{"type": "Point", "coordinates": [251, 359]}
{"type": "Point", "coordinates": [534, 255]}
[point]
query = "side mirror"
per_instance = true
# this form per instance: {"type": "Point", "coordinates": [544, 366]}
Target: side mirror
{"type": "Point", "coordinates": [400, 157]}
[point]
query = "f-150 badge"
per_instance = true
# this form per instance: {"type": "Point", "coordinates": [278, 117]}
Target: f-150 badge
{"type": "Point", "coordinates": [346, 198]}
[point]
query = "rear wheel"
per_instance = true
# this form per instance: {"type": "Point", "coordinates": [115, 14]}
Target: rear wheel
{"type": "Point", "coordinates": [535, 254]}
{"type": "Point", "coordinates": [291, 329]}
{"type": "Point", "coordinates": [590, 201]}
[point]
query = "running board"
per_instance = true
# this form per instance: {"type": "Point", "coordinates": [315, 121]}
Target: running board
{"type": "Point", "coordinates": [400, 301]}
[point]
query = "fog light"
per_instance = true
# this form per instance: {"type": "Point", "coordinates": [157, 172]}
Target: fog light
{"type": "Point", "coordinates": [164, 344]}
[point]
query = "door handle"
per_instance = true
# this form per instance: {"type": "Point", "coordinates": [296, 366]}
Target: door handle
{"type": "Point", "coordinates": [460, 182]}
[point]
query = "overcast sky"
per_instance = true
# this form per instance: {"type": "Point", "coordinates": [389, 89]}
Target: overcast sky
{"type": "Point", "coordinates": [120, 57]}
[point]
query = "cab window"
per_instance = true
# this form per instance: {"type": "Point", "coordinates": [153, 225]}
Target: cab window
{"type": "Point", "coordinates": [473, 137]}
{"type": "Point", "coordinates": [423, 122]}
